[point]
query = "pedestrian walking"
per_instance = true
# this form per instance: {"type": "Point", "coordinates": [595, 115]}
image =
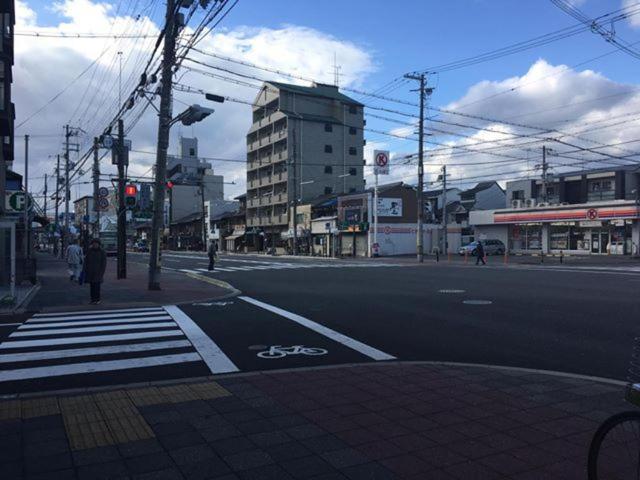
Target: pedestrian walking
{"type": "Point", "coordinates": [95, 263]}
{"type": "Point", "coordinates": [480, 253]}
{"type": "Point", "coordinates": [211, 251]}
{"type": "Point", "coordinates": [74, 256]}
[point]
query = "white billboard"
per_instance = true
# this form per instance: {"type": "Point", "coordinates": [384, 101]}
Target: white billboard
{"type": "Point", "coordinates": [389, 207]}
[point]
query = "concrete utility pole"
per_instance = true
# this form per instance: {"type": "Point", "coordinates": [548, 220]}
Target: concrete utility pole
{"type": "Point", "coordinates": [545, 168]}
{"type": "Point", "coordinates": [45, 195]}
{"type": "Point", "coordinates": [27, 203]}
{"type": "Point", "coordinates": [444, 209]}
{"type": "Point", "coordinates": [96, 187]}
{"type": "Point", "coordinates": [420, 195]}
{"type": "Point", "coordinates": [57, 210]}
{"type": "Point", "coordinates": [122, 211]}
{"type": "Point", "coordinates": [295, 194]}
{"type": "Point", "coordinates": [66, 188]}
{"type": "Point", "coordinates": [164, 124]}
{"type": "Point", "coordinates": [3, 182]}
{"type": "Point", "coordinates": [204, 221]}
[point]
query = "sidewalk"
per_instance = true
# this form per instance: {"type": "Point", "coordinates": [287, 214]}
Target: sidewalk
{"type": "Point", "coordinates": [375, 421]}
{"type": "Point", "coordinates": [58, 293]}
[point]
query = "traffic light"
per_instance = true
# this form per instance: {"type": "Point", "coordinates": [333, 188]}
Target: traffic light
{"type": "Point", "coordinates": [195, 113]}
{"type": "Point", "coordinates": [130, 193]}
{"type": "Point", "coordinates": [169, 184]}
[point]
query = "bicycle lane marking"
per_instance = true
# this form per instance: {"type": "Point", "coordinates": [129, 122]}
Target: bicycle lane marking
{"type": "Point", "coordinates": [352, 343]}
{"type": "Point", "coordinates": [243, 330]}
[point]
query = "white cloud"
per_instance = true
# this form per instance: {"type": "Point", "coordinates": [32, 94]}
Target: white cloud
{"type": "Point", "coordinates": [45, 66]}
{"type": "Point", "coordinates": [633, 20]}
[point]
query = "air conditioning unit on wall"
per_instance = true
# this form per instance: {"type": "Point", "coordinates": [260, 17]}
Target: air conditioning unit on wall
{"type": "Point", "coordinates": [516, 203]}
{"type": "Point", "coordinates": [530, 202]}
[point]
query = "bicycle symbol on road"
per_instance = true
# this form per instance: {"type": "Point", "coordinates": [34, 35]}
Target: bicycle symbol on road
{"type": "Point", "coordinates": [278, 351]}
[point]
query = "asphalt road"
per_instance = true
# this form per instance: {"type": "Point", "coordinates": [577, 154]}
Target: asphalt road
{"type": "Point", "coordinates": [312, 312]}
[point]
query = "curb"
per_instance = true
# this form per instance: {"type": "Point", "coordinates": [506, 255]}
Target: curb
{"type": "Point", "coordinates": [397, 364]}
{"type": "Point", "coordinates": [22, 306]}
{"type": "Point", "coordinates": [233, 291]}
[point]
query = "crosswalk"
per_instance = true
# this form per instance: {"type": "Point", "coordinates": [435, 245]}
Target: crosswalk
{"type": "Point", "coordinates": [254, 266]}
{"type": "Point", "coordinates": [71, 343]}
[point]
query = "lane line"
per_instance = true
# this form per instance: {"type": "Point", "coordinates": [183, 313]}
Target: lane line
{"type": "Point", "coordinates": [90, 339]}
{"type": "Point", "coordinates": [57, 314]}
{"type": "Point", "coordinates": [363, 348]}
{"type": "Point", "coordinates": [92, 351]}
{"type": "Point", "coordinates": [93, 367]}
{"type": "Point", "coordinates": [107, 328]}
{"type": "Point", "coordinates": [99, 318]}
{"type": "Point", "coordinates": [213, 356]}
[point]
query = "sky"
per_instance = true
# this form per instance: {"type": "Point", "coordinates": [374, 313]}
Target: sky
{"type": "Point", "coordinates": [573, 87]}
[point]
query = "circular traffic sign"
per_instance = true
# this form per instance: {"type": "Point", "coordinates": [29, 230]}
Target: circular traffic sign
{"type": "Point", "coordinates": [107, 141]}
{"type": "Point", "coordinates": [103, 203]}
{"type": "Point", "coordinates": [103, 191]}
{"type": "Point", "coordinates": [17, 201]}
{"type": "Point", "coordinates": [382, 159]}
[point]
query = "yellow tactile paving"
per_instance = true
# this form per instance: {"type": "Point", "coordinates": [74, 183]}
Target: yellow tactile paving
{"type": "Point", "coordinates": [39, 407]}
{"type": "Point", "coordinates": [146, 396]}
{"type": "Point", "coordinates": [88, 435]}
{"type": "Point", "coordinates": [128, 411]}
{"type": "Point", "coordinates": [129, 429]}
{"type": "Point", "coordinates": [178, 393]}
{"type": "Point", "coordinates": [79, 404]}
{"type": "Point", "coordinates": [209, 390]}
{"type": "Point", "coordinates": [81, 417]}
{"type": "Point", "coordinates": [10, 410]}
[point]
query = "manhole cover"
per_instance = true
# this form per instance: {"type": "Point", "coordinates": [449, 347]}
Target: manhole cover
{"type": "Point", "coordinates": [451, 290]}
{"type": "Point", "coordinates": [258, 347]}
{"type": "Point", "coordinates": [477, 302]}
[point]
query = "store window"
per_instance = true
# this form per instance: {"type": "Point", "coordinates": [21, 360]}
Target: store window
{"type": "Point", "coordinates": [525, 237]}
{"type": "Point", "coordinates": [559, 237]}
{"type": "Point", "coordinates": [601, 189]}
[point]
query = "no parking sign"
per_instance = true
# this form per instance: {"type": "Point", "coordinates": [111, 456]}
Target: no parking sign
{"type": "Point", "coordinates": [381, 162]}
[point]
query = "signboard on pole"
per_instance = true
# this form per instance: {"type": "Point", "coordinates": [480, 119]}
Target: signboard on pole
{"type": "Point", "coordinates": [381, 162]}
{"type": "Point", "coordinates": [14, 201]}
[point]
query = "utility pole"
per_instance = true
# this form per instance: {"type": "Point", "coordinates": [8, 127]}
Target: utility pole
{"type": "Point", "coordinates": [66, 188]}
{"type": "Point", "coordinates": [27, 202]}
{"type": "Point", "coordinates": [545, 167]}
{"type": "Point", "coordinates": [57, 200]}
{"type": "Point", "coordinates": [204, 220]}
{"type": "Point", "coordinates": [295, 195]}
{"type": "Point", "coordinates": [96, 187]}
{"type": "Point", "coordinates": [164, 124]}
{"type": "Point", "coordinates": [444, 209]}
{"type": "Point", "coordinates": [420, 195]}
{"type": "Point", "coordinates": [122, 212]}
{"type": "Point", "coordinates": [3, 183]}
{"type": "Point", "coordinates": [45, 195]}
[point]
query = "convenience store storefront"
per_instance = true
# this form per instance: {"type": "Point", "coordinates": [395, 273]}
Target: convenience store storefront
{"type": "Point", "coordinates": [593, 229]}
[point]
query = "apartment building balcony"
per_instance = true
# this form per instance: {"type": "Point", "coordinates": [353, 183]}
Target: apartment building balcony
{"type": "Point", "coordinates": [281, 197]}
{"type": "Point", "coordinates": [279, 177]}
{"type": "Point", "coordinates": [280, 219]}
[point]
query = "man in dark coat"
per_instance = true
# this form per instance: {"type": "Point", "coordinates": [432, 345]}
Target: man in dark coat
{"type": "Point", "coordinates": [95, 263]}
{"type": "Point", "coordinates": [211, 252]}
{"type": "Point", "coordinates": [480, 253]}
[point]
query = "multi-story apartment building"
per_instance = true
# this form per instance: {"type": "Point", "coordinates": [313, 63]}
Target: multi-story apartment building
{"type": "Point", "coordinates": [304, 142]}
{"type": "Point", "coordinates": [7, 110]}
{"type": "Point", "coordinates": [594, 211]}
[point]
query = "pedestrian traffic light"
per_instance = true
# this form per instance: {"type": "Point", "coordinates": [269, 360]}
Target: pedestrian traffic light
{"type": "Point", "coordinates": [130, 193]}
{"type": "Point", "coordinates": [169, 185]}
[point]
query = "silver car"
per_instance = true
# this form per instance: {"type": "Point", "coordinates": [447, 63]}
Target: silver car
{"type": "Point", "coordinates": [491, 247]}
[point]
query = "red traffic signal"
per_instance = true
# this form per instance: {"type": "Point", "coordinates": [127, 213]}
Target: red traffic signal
{"type": "Point", "coordinates": [169, 184]}
{"type": "Point", "coordinates": [130, 190]}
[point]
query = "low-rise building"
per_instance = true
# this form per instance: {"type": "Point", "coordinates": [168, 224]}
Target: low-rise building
{"type": "Point", "coordinates": [585, 212]}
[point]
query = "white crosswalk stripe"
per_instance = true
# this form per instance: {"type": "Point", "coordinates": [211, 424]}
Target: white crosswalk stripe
{"type": "Point", "coordinates": [88, 342]}
{"type": "Point", "coordinates": [256, 265]}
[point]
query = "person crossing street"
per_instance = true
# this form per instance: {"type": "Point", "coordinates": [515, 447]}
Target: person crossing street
{"type": "Point", "coordinates": [480, 253]}
{"type": "Point", "coordinates": [95, 264]}
{"type": "Point", "coordinates": [211, 252]}
{"type": "Point", "coordinates": [74, 260]}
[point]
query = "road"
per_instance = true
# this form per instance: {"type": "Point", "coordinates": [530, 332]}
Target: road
{"type": "Point", "coordinates": [312, 312]}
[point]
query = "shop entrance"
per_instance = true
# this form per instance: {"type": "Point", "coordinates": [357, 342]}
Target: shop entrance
{"type": "Point", "coordinates": [599, 241]}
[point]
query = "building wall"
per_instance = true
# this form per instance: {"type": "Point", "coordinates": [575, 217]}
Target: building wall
{"type": "Point", "coordinates": [492, 232]}
{"type": "Point", "coordinates": [493, 197]}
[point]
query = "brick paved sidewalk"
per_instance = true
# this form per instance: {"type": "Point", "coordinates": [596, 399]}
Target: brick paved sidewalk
{"type": "Point", "coordinates": [377, 421]}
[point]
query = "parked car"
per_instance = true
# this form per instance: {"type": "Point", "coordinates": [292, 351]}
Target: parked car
{"type": "Point", "coordinates": [491, 247]}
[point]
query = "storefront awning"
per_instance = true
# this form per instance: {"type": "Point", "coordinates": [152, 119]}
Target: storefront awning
{"type": "Point", "coordinates": [236, 234]}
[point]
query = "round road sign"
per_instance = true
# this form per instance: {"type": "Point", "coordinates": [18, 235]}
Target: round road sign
{"type": "Point", "coordinates": [382, 159]}
{"type": "Point", "coordinates": [103, 191]}
{"type": "Point", "coordinates": [592, 214]}
{"type": "Point", "coordinates": [103, 203]}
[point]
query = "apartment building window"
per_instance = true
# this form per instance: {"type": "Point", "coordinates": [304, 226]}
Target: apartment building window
{"type": "Point", "coordinates": [353, 109]}
{"type": "Point", "coordinates": [352, 172]}
{"type": "Point", "coordinates": [353, 151]}
{"type": "Point", "coordinates": [328, 149]}
{"type": "Point", "coordinates": [517, 195]}
{"type": "Point", "coordinates": [328, 127]}
{"type": "Point", "coordinates": [601, 190]}
{"type": "Point", "coordinates": [192, 152]}
{"type": "Point", "coordinates": [328, 169]}
{"type": "Point", "coordinates": [328, 190]}
{"type": "Point", "coordinates": [352, 190]}
{"type": "Point", "coordinates": [352, 130]}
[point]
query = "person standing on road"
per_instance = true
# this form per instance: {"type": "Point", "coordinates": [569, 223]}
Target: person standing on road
{"type": "Point", "coordinates": [95, 263]}
{"type": "Point", "coordinates": [211, 251]}
{"type": "Point", "coordinates": [480, 253]}
{"type": "Point", "coordinates": [74, 260]}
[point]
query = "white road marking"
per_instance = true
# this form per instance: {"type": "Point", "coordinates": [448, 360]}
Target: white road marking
{"type": "Point", "coordinates": [367, 350]}
{"type": "Point", "coordinates": [92, 351]}
{"type": "Point", "coordinates": [92, 367]}
{"type": "Point", "coordinates": [71, 320]}
{"type": "Point", "coordinates": [106, 328]}
{"type": "Point", "coordinates": [9, 324]}
{"type": "Point", "coordinates": [31, 326]}
{"type": "Point", "coordinates": [95, 312]}
{"type": "Point", "coordinates": [89, 339]}
{"type": "Point", "coordinates": [215, 358]}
